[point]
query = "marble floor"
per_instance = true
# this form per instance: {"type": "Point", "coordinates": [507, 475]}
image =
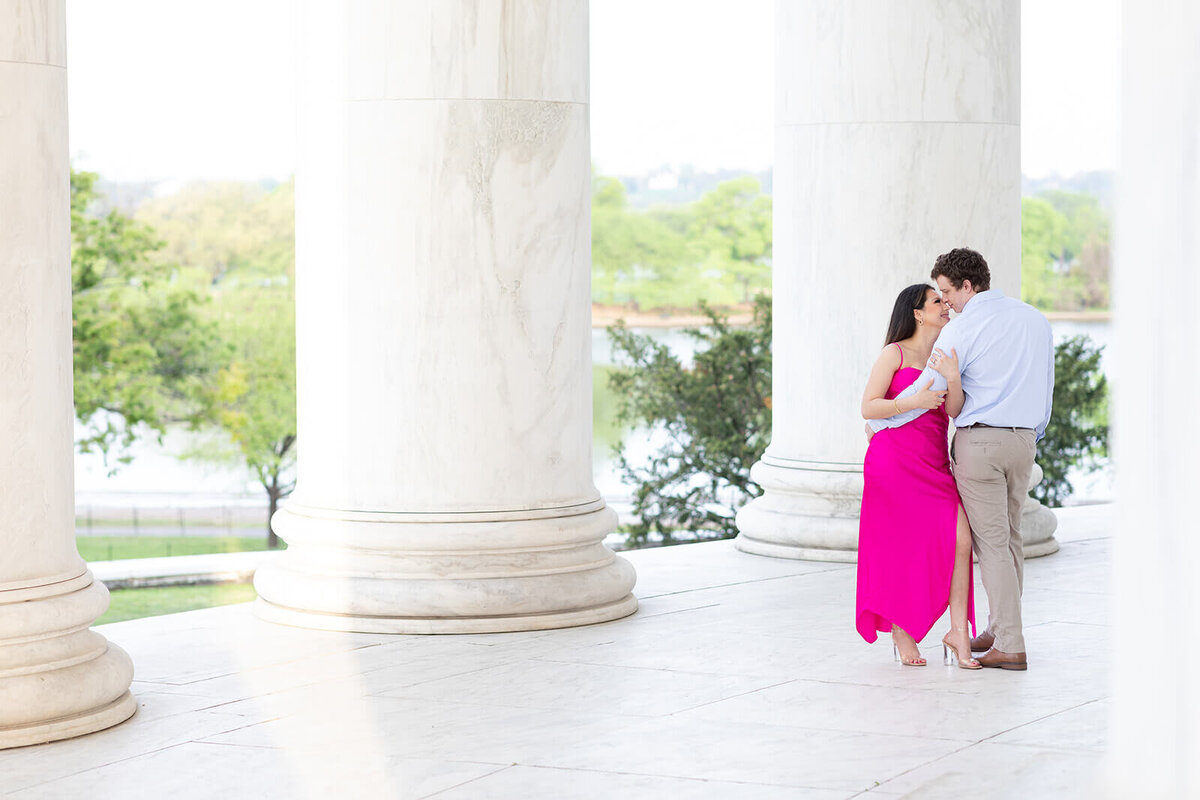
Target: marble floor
{"type": "Point", "coordinates": [740, 677]}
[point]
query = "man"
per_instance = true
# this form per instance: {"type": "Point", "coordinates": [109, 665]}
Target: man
{"type": "Point", "coordinates": [1006, 359]}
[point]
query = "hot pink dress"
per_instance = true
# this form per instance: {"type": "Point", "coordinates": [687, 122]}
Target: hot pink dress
{"type": "Point", "coordinates": [906, 528]}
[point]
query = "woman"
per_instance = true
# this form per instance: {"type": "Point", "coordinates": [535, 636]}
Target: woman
{"type": "Point", "coordinates": [914, 542]}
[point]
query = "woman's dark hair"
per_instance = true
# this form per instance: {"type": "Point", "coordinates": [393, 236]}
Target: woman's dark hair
{"type": "Point", "coordinates": [904, 324]}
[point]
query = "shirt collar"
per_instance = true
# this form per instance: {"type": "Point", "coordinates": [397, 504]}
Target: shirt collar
{"type": "Point", "coordinates": [982, 298]}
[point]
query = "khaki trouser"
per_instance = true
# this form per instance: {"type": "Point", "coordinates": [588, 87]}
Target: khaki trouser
{"type": "Point", "coordinates": [992, 467]}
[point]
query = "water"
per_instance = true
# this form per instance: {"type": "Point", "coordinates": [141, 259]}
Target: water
{"type": "Point", "coordinates": [1099, 331]}
{"type": "Point", "coordinates": [675, 339]}
{"type": "Point", "coordinates": [157, 478]}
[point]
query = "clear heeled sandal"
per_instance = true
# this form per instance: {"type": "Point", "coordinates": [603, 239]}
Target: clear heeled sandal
{"type": "Point", "coordinates": [919, 661]}
{"type": "Point", "coordinates": [950, 655]}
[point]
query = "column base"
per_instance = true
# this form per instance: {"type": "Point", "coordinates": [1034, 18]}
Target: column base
{"type": "Point", "coordinates": [58, 679]}
{"type": "Point", "coordinates": [809, 511]}
{"type": "Point", "coordinates": [79, 724]}
{"type": "Point", "coordinates": [445, 573]}
{"type": "Point", "coordinates": [1038, 523]}
{"type": "Point", "coordinates": [416, 625]}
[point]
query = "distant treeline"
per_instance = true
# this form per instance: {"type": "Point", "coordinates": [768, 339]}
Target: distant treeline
{"type": "Point", "coordinates": [662, 241]}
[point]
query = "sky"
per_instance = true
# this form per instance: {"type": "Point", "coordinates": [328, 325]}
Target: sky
{"type": "Point", "coordinates": [170, 91]}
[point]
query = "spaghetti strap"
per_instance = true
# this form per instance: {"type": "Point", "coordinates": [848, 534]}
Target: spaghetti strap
{"type": "Point", "coordinates": [901, 349]}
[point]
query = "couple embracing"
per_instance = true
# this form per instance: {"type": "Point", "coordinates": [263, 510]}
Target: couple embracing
{"type": "Point", "coordinates": [926, 506]}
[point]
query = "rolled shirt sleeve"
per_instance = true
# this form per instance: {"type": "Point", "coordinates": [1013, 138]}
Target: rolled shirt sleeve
{"type": "Point", "coordinates": [946, 342]}
{"type": "Point", "coordinates": [896, 420]}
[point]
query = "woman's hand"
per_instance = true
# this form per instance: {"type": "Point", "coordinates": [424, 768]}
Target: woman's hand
{"type": "Point", "coordinates": [927, 398]}
{"type": "Point", "coordinates": [947, 365]}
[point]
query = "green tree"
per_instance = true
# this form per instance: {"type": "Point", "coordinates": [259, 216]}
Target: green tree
{"type": "Point", "coordinates": [714, 416]}
{"type": "Point", "coordinates": [235, 232]}
{"type": "Point", "coordinates": [144, 356]}
{"type": "Point", "coordinates": [1043, 252]}
{"type": "Point", "coordinates": [1085, 219]}
{"type": "Point", "coordinates": [1086, 247]}
{"type": "Point", "coordinates": [731, 229]}
{"type": "Point", "coordinates": [1077, 434]}
{"type": "Point", "coordinates": [637, 256]}
{"type": "Point", "coordinates": [1092, 268]}
{"type": "Point", "coordinates": [240, 238]}
{"type": "Point", "coordinates": [1064, 251]}
{"type": "Point", "coordinates": [256, 392]}
{"type": "Point", "coordinates": [716, 250]}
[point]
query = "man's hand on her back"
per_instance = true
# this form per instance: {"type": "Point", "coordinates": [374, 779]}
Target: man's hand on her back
{"type": "Point", "coordinates": [928, 399]}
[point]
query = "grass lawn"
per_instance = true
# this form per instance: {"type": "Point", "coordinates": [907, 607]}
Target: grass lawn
{"type": "Point", "coordinates": [110, 548]}
{"type": "Point", "coordinates": [137, 603]}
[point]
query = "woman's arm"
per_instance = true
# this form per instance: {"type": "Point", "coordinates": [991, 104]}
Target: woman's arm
{"type": "Point", "coordinates": [947, 365]}
{"type": "Point", "coordinates": [873, 404]}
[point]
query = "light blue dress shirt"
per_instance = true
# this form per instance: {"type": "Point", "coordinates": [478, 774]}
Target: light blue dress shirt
{"type": "Point", "coordinates": [1006, 358]}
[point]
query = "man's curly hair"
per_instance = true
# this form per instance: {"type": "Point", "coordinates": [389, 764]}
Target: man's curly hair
{"type": "Point", "coordinates": [963, 264]}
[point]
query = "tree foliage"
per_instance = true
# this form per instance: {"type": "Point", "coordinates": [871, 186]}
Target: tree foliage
{"type": "Point", "coordinates": [731, 226]}
{"type": "Point", "coordinates": [144, 356]}
{"type": "Point", "coordinates": [241, 238]}
{"type": "Point", "coordinates": [256, 393]}
{"type": "Point", "coordinates": [1042, 232]}
{"type": "Point", "coordinates": [235, 232]}
{"type": "Point", "coordinates": [637, 257]}
{"type": "Point", "coordinates": [1077, 434]}
{"type": "Point", "coordinates": [715, 250]}
{"type": "Point", "coordinates": [713, 417]}
{"type": "Point", "coordinates": [1064, 251]}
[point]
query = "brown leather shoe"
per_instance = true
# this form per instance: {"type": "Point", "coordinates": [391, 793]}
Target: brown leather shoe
{"type": "Point", "coordinates": [982, 642]}
{"type": "Point", "coordinates": [1001, 660]}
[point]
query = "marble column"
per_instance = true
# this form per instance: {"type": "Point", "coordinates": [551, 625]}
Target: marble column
{"type": "Point", "coordinates": [897, 138]}
{"type": "Point", "coordinates": [443, 326]}
{"type": "Point", "coordinates": [1155, 719]}
{"type": "Point", "coordinates": [57, 678]}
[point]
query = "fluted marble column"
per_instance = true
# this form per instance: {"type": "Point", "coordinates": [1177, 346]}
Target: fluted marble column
{"type": "Point", "coordinates": [443, 332]}
{"type": "Point", "coordinates": [897, 138]}
{"type": "Point", "coordinates": [57, 678]}
{"type": "Point", "coordinates": [1154, 726]}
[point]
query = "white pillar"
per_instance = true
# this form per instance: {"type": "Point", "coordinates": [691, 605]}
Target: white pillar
{"type": "Point", "coordinates": [1155, 722]}
{"type": "Point", "coordinates": [897, 138]}
{"type": "Point", "coordinates": [57, 678]}
{"type": "Point", "coordinates": [443, 331]}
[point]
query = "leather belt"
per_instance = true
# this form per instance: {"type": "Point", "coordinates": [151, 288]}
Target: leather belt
{"type": "Point", "coordinates": [1013, 428]}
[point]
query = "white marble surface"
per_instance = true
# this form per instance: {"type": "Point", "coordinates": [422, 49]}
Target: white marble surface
{"type": "Point", "coordinates": [36, 483]}
{"type": "Point", "coordinates": [740, 676]}
{"type": "Point", "coordinates": [33, 32]}
{"type": "Point", "coordinates": [912, 60]}
{"type": "Point", "coordinates": [896, 139]}
{"type": "Point", "coordinates": [443, 326]}
{"type": "Point", "coordinates": [181, 570]}
{"type": "Point", "coordinates": [1156, 708]}
{"type": "Point", "coordinates": [446, 49]}
{"type": "Point", "coordinates": [57, 678]}
{"type": "Point", "coordinates": [443, 319]}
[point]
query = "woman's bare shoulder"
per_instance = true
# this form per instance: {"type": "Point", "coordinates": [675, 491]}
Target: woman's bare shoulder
{"type": "Point", "coordinates": [891, 355]}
